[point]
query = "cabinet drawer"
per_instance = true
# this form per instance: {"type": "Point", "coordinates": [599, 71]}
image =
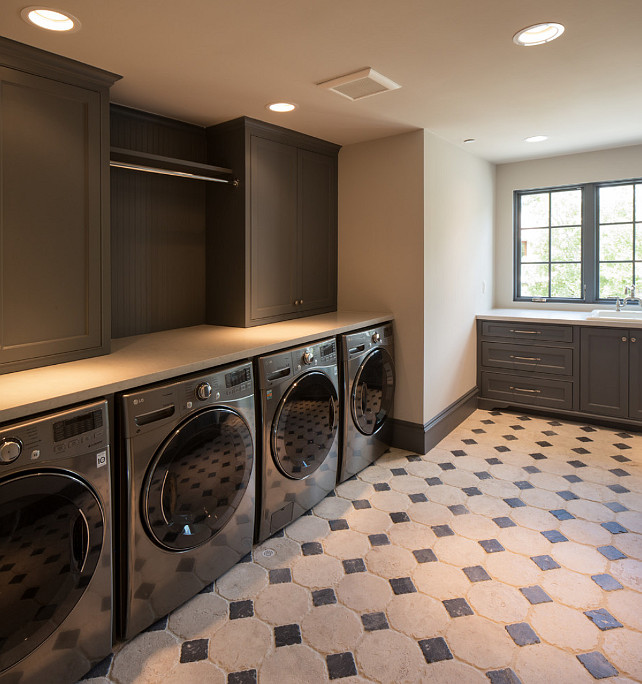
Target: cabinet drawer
{"type": "Point", "coordinates": [525, 390]}
{"type": "Point", "coordinates": [554, 360]}
{"type": "Point", "coordinates": [529, 332]}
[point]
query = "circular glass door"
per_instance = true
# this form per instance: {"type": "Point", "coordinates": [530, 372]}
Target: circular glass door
{"type": "Point", "coordinates": [51, 536]}
{"type": "Point", "coordinates": [197, 479]}
{"type": "Point", "coordinates": [305, 425]}
{"type": "Point", "coordinates": [373, 391]}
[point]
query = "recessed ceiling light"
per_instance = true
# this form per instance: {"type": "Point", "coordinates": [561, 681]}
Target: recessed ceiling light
{"type": "Point", "coordinates": [536, 138]}
{"type": "Point", "coordinates": [50, 19]}
{"type": "Point", "coordinates": [281, 107]}
{"type": "Point", "coordinates": [538, 34]}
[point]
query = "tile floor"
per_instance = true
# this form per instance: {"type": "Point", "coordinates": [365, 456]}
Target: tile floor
{"type": "Point", "coordinates": [512, 552]}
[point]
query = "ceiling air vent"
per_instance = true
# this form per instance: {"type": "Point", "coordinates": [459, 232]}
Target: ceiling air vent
{"type": "Point", "coordinates": [360, 84]}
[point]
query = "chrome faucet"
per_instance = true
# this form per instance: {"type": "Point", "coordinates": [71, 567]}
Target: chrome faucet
{"type": "Point", "coordinates": [629, 296]}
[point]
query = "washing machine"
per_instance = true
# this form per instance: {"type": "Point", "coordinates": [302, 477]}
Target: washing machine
{"type": "Point", "coordinates": [55, 546]}
{"type": "Point", "coordinates": [188, 489]}
{"type": "Point", "coordinates": [368, 386]}
{"type": "Point", "coordinates": [300, 422]}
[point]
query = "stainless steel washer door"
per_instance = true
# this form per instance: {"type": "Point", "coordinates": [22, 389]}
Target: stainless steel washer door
{"type": "Point", "coordinates": [197, 479]}
{"type": "Point", "coordinates": [51, 537]}
{"type": "Point", "coordinates": [373, 391]}
{"type": "Point", "coordinates": [305, 425]}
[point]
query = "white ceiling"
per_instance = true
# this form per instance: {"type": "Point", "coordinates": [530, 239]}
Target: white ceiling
{"type": "Point", "coordinates": [207, 61]}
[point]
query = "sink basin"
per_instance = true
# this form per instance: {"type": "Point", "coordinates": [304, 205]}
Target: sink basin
{"type": "Point", "coordinates": [613, 315]}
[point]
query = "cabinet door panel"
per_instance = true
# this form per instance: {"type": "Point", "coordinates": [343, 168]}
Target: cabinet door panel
{"type": "Point", "coordinates": [604, 371]}
{"type": "Point", "coordinates": [318, 230]}
{"type": "Point", "coordinates": [635, 374]}
{"type": "Point", "coordinates": [50, 255]}
{"type": "Point", "coordinates": [273, 202]}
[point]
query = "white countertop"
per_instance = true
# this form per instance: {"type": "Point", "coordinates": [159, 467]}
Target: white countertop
{"type": "Point", "coordinates": [551, 316]}
{"type": "Point", "coordinates": [144, 359]}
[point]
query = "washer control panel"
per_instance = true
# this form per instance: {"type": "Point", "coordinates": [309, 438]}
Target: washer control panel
{"type": "Point", "coordinates": [283, 366]}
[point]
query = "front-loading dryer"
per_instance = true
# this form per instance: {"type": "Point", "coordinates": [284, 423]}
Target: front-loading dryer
{"type": "Point", "coordinates": [188, 513]}
{"type": "Point", "coordinates": [368, 384]}
{"type": "Point", "coordinates": [55, 546]}
{"type": "Point", "coordinates": [300, 414]}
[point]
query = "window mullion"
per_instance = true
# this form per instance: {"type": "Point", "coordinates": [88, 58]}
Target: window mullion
{"type": "Point", "coordinates": [590, 254]}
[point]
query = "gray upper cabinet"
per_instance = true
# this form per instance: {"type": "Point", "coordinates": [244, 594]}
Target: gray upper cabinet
{"type": "Point", "coordinates": [54, 194]}
{"type": "Point", "coordinates": [271, 242]}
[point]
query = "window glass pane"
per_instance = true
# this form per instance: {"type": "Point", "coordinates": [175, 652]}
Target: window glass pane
{"type": "Point", "coordinates": [614, 278]}
{"type": "Point", "coordinates": [566, 280]}
{"type": "Point", "coordinates": [534, 281]}
{"type": "Point", "coordinates": [638, 278]}
{"type": "Point", "coordinates": [534, 210]}
{"type": "Point", "coordinates": [616, 203]}
{"type": "Point", "coordinates": [638, 239]}
{"type": "Point", "coordinates": [616, 243]}
{"type": "Point", "coordinates": [566, 244]}
{"type": "Point", "coordinates": [638, 202]}
{"type": "Point", "coordinates": [535, 244]}
{"type": "Point", "coordinates": [566, 208]}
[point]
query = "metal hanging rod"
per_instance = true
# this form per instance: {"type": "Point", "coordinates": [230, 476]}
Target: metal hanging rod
{"type": "Point", "coordinates": [168, 172]}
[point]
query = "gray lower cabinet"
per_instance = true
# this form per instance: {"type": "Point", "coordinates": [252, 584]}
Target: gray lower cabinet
{"type": "Point", "coordinates": [635, 374]}
{"type": "Point", "coordinates": [54, 195]}
{"type": "Point", "coordinates": [271, 243]}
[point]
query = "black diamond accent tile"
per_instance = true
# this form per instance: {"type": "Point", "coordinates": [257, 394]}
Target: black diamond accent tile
{"type": "Point", "coordinates": [509, 438]}
{"type": "Point", "coordinates": [567, 495]}
{"type": "Point", "coordinates": [458, 452]}
{"type": "Point", "coordinates": [353, 565]}
{"type": "Point", "coordinates": [399, 517]}
{"type": "Point", "coordinates": [545, 562]}
{"type": "Point", "coordinates": [323, 597]}
{"type": "Point", "coordinates": [581, 451]}
{"type": "Point", "coordinates": [241, 609]}
{"type": "Point", "coordinates": [619, 472]}
{"type": "Point", "coordinates": [514, 503]}
{"type": "Point", "coordinates": [616, 506]}
{"type": "Point", "coordinates": [446, 466]}
{"type": "Point", "coordinates": [611, 553]}
{"type": "Point", "coordinates": [522, 484]}
{"type": "Point", "coordinates": [501, 448]}
{"type": "Point", "coordinates": [607, 582]}
{"type": "Point", "coordinates": [432, 481]}
{"type": "Point", "coordinates": [488, 422]}
{"type": "Point", "coordinates": [572, 478]}
{"type": "Point", "coordinates": [418, 498]}
{"type": "Point", "coordinates": [435, 650]}
{"type": "Point", "coordinates": [341, 665]}
{"type": "Point", "coordinates": [597, 665]}
{"type": "Point", "coordinates": [532, 469]}
{"type": "Point", "coordinates": [311, 548]}
{"type": "Point", "coordinates": [244, 677]}
{"type": "Point", "coordinates": [478, 431]}
{"type": "Point", "coordinates": [402, 585]}
{"type": "Point", "coordinates": [561, 514]}
{"type": "Point", "coordinates": [412, 458]}
{"type": "Point", "coordinates": [506, 676]}
{"type": "Point", "coordinates": [425, 555]}
{"type": "Point", "coordinates": [554, 536]}
{"type": "Point", "coordinates": [101, 669]}
{"type": "Point", "coordinates": [374, 621]}
{"type": "Point", "coordinates": [537, 456]}
{"type": "Point", "coordinates": [381, 487]}
{"type": "Point", "coordinates": [287, 635]}
{"type": "Point", "coordinates": [620, 459]}
{"type": "Point", "coordinates": [614, 527]}
{"type": "Point", "coordinates": [544, 443]}
{"type": "Point", "coordinates": [522, 634]}
{"type": "Point", "coordinates": [587, 428]}
{"type": "Point", "coordinates": [621, 445]}
{"type": "Point", "coordinates": [471, 491]}
{"type": "Point", "coordinates": [495, 413]}
{"type": "Point", "coordinates": [516, 427]}
{"type": "Point", "coordinates": [193, 651]}
{"type": "Point", "coordinates": [457, 607]}
{"type": "Point", "coordinates": [493, 461]}
{"type": "Point", "coordinates": [476, 573]}
{"type": "Point", "coordinates": [360, 504]}
{"type": "Point", "coordinates": [280, 576]}
{"type": "Point", "coordinates": [398, 471]}
{"type": "Point", "coordinates": [442, 530]}
{"type": "Point", "coordinates": [602, 619]}
{"type": "Point", "coordinates": [379, 539]}
{"type": "Point", "coordinates": [458, 509]}
{"type": "Point", "coordinates": [503, 521]}
{"type": "Point", "coordinates": [210, 587]}
{"type": "Point", "coordinates": [618, 489]}
{"type": "Point", "coordinates": [338, 524]}
{"type": "Point", "coordinates": [469, 441]}
{"type": "Point", "coordinates": [491, 546]}
{"type": "Point", "coordinates": [584, 439]}
{"type": "Point", "coordinates": [281, 533]}
{"type": "Point", "coordinates": [247, 558]}
{"type": "Point", "coordinates": [159, 625]}
{"type": "Point", "coordinates": [623, 435]}
{"type": "Point", "coordinates": [484, 475]}
{"type": "Point", "coordinates": [535, 595]}
{"type": "Point", "coordinates": [549, 433]}
{"type": "Point", "coordinates": [578, 464]}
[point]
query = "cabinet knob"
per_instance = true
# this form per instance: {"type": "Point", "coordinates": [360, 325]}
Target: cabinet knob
{"type": "Point", "coordinates": [296, 302]}
{"type": "Point", "coordinates": [633, 339]}
{"type": "Point", "coordinates": [300, 301]}
{"type": "Point", "coordinates": [624, 339]}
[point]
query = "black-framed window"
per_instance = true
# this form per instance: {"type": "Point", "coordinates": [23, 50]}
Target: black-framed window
{"type": "Point", "coordinates": [580, 243]}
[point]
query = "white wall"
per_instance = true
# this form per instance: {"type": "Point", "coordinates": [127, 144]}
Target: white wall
{"type": "Point", "coordinates": [458, 268]}
{"type": "Point", "coordinates": [614, 164]}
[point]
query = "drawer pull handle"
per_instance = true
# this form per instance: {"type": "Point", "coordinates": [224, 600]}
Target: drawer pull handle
{"type": "Point", "coordinates": [522, 389]}
{"type": "Point", "coordinates": [527, 332]}
{"type": "Point", "coordinates": [525, 358]}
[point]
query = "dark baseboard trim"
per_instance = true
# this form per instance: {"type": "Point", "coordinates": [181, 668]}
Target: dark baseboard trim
{"type": "Point", "coordinates": [422, 438]}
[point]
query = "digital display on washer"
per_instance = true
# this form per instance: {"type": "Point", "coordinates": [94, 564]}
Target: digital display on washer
{"type": "Point", "coordinates": [237, 377]}
{"type": "Point", "coordinates": [85, 422]}
{"type": "Point", "coordinates": [327, 349]}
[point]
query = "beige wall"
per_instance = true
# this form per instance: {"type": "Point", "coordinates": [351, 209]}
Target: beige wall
{"type": "Point", "coordinates": [613, 164]}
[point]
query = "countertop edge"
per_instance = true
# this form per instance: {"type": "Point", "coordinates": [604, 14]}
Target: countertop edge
{"type": "Point", "coordinates": [550, 316]}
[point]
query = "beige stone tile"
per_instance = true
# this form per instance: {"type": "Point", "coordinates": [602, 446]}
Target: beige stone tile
{"type": "Point", "coordinates": [498, 601]}
{"type": "Point", "coordinates": [243, 581]}
{"type": "Point", "coordinates": [346, 544]}
{"type": "Point", "coordinates": [565, 627]}
{"type": "Point", "coordinates": [390, 561]}
{"type": "Point", "coordinates": [317, 572]}
{"type": "Point", "coordinates": [459, 551]}
{"type": "Point", "coordinates": [545, 664]}
{"type": "Point", "coordinates": [474, 526]}
{"type": "Point", "coordinates": [202, 671]}
{"type": "Point", "coordinates": [354, 489]}
{"type": "Point", "coordinates": [474, 464]}
{"type": "Point", "coordinates": [513, 569]}
{"type": "Point", "coordinates": [591, 491]}
{"type": "Point", "coordinates": [417, 616]}
{"type": "Point", "coordinates": [412, 535]}
{"type": "Point", "coordinates": [370, 521]}
{"type": "Point", "coordinates": [331, 629]}
{"type": "Point", "coordinates": [453, 672]}
{"type": "Point", "coordinates": [282, 604]}
{"type": "Point", "coordinates": [632, 500]}
{"type": "Point", "coordinates": [390, 658]}
{"type": "Point", "coordinates": [596, 475]}
{"type": "Point", "coordinates": [517, 457]}
{"type": "Point", "coordinates": [308, 528]}
{"type": "Point", "coordinates": [333, 507]}
{"type": "Point", "coordinates": [459, 478]}
{"type": "Point", "coordinates": [363, 592]}
{"type": "Point", "coordinates": [542, 498]}
{"type": "Point", "coordinates": [572, 589]}
{"type": "Point", "coordinates": [578, 557]}
{"type": "Point", "coordinates": [548, 481]}
{"type": "Point", "coordinates": [589, 510]}
{"type": "Point", "coordinates": [504, 471]}
{"type": "Point", "coordinates": [585, 532]}
{"type": "Point", "coordinates": [440, 580]}
{"type": "Point", "coordinates": [500, 489]}
{"type": "Point", "coordinates": [622, 649]}
{"type": "Point", "coordinates": [446, 495]}
{"type": "Point", "coordinates": [480, 642]}
{"type": "Point", "coordinates": [293, 665]}
{"type": "Point", "coordinates": [277, 552]}
{"type": "Point", "coordinates": [429, 512]}
{"type": "Point", "coordinates": [488, 506]}
{"type": "Point", "coordinates": [523, 541]}
{"type": "Point", "coordinates": [628, 572]}
{"type": "Point", "coordinates": [146, 659]}
{"type": "Point", "coordinates": [632, 520]}
{"type": "Point", "coordinates": [375, 473]}
{"type": "Point", "coordinates": [626, 606]}
{"type": "Point", "coordinates": [241, 644]}
{"type": "Point", "coordinates": [424, 469]}
{"type": "Point", "coordinates": [630, 544]}
{"type": "Point", "coordinates": [534, 518]}
{"type": "Point", "coordinates": [554, 463]}
{"type": "Point", "coordinates": [390, 501]}
{"type": "Point", "coordinates": [407, 484]}
{"type": "Point", "coordinates": [202, 615]}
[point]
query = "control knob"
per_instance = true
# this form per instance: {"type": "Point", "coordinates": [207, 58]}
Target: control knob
{"type": "Point", "coordinates": [10, 449]}
{"type": "Point", "coordinates": [204, 391]}
{"type": "Point", "coordinates": [376, 338]}
{"type": "Point", "coordinates": [308, 358]}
